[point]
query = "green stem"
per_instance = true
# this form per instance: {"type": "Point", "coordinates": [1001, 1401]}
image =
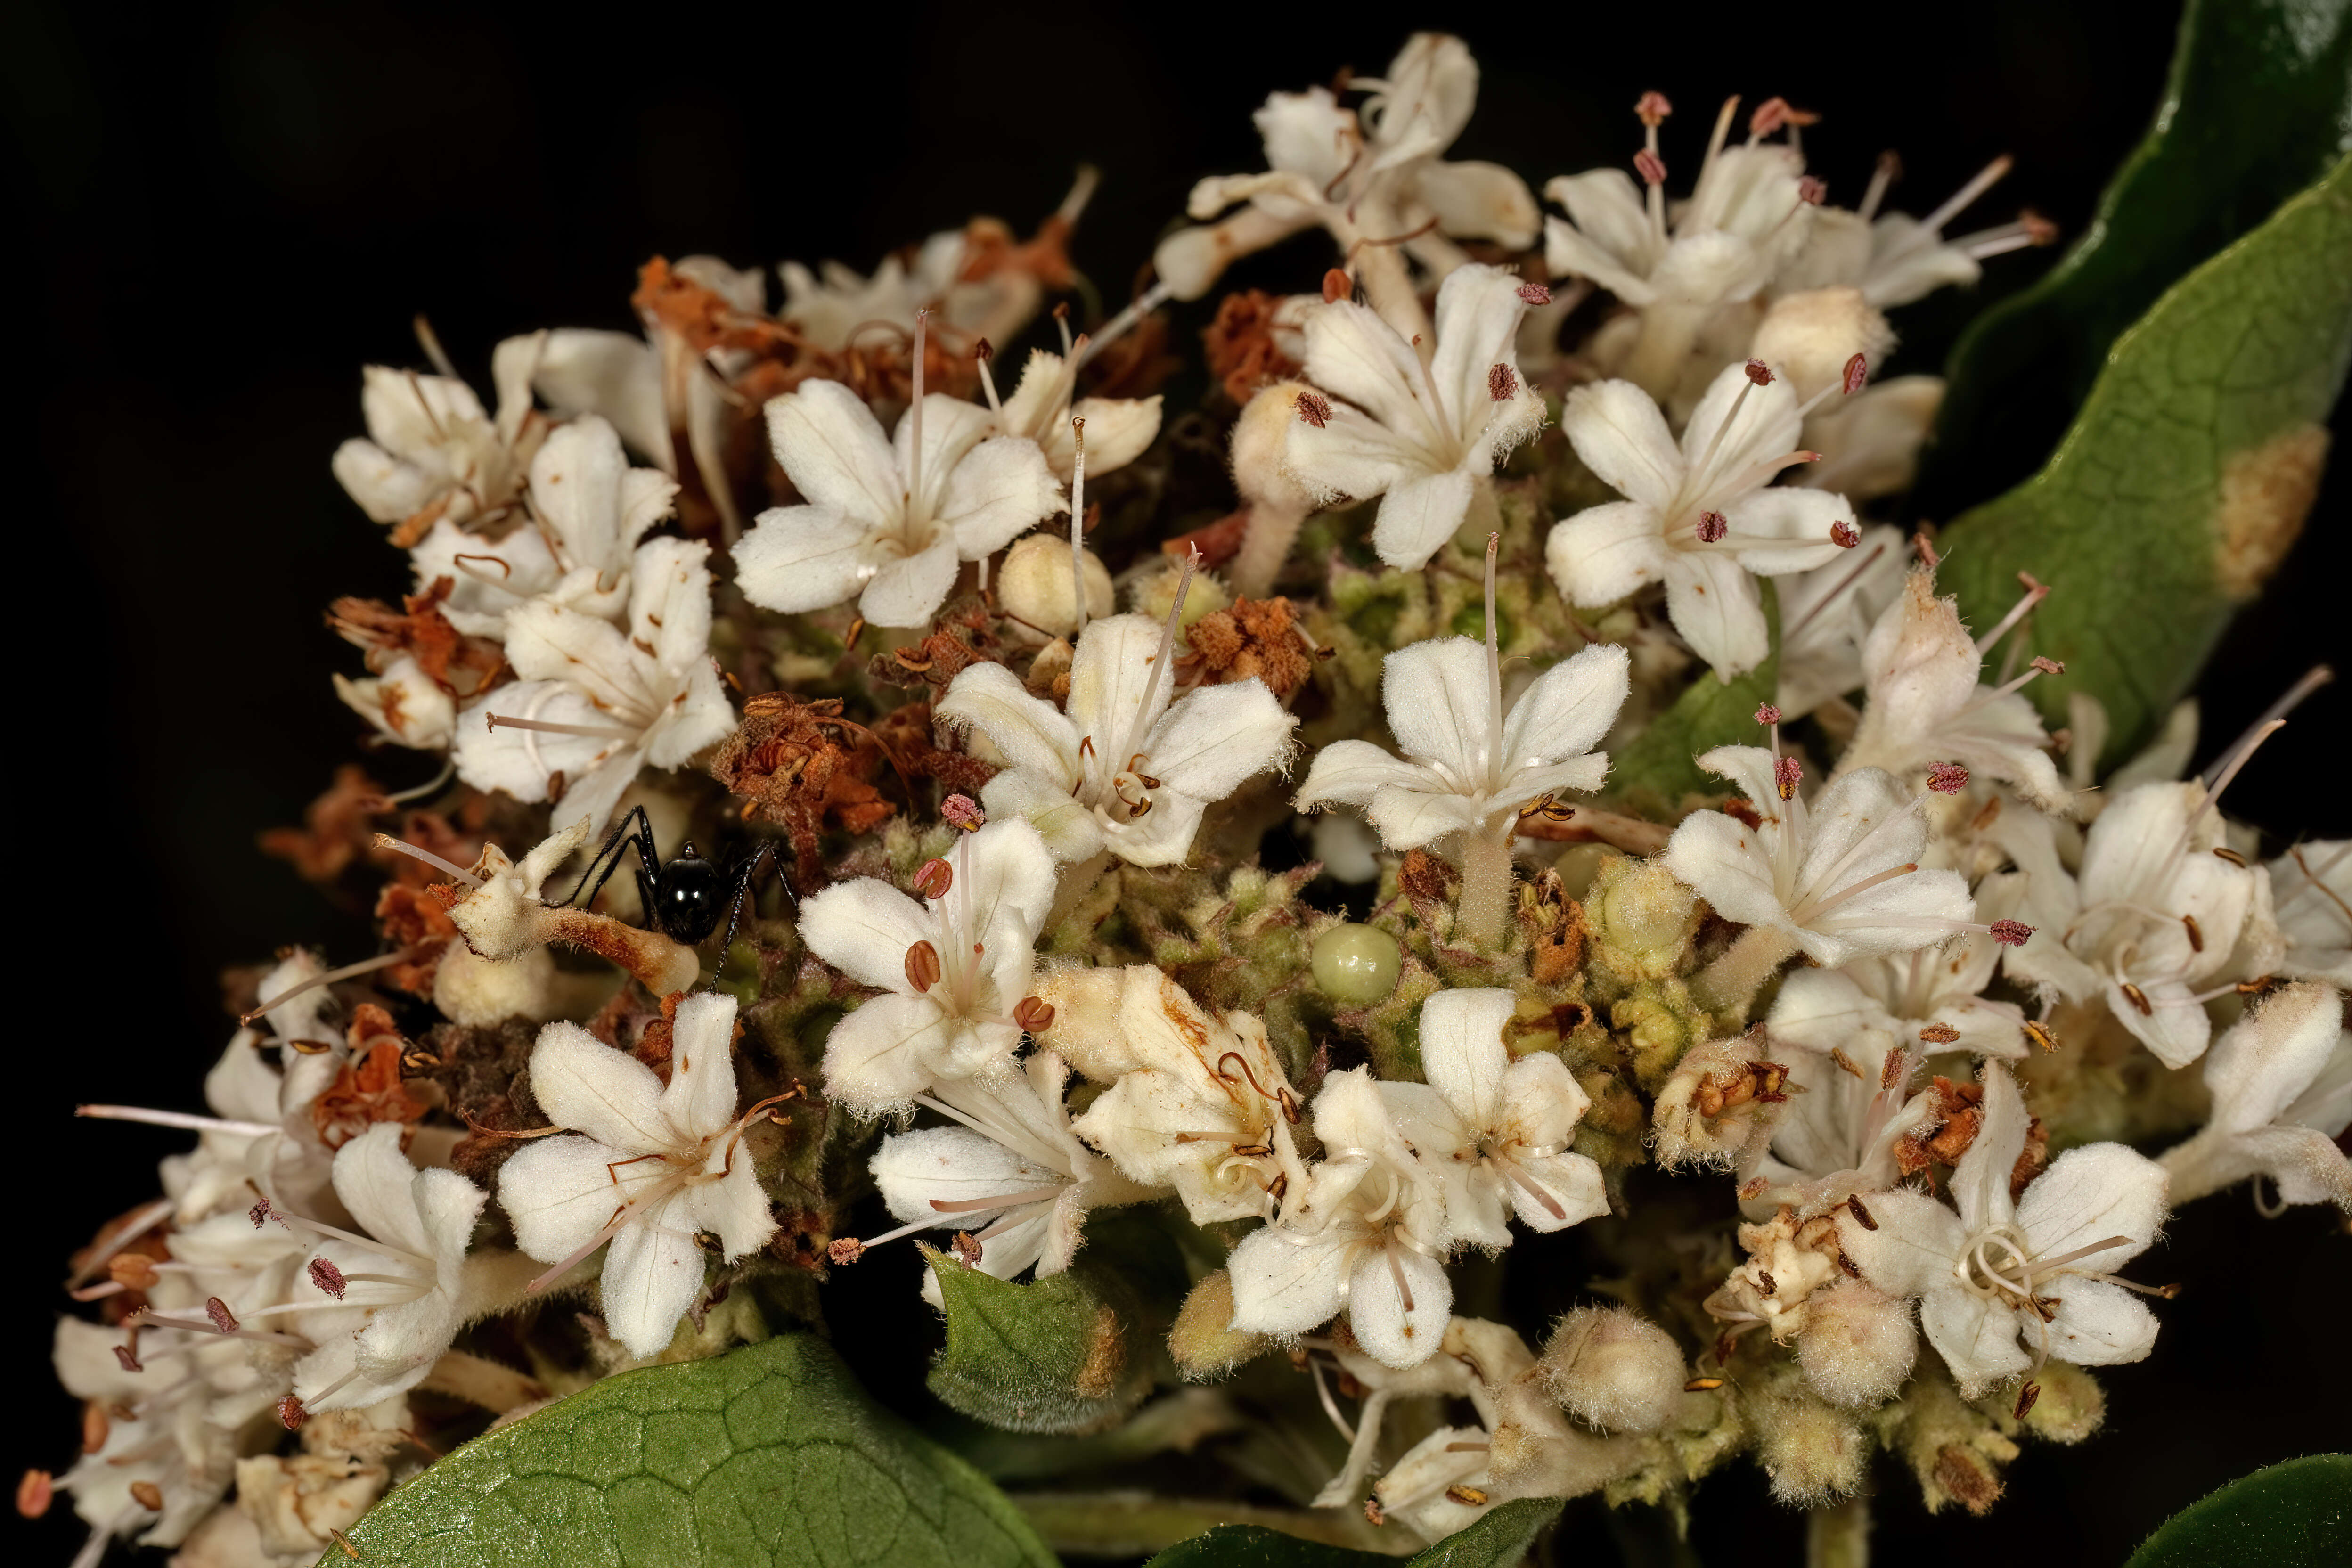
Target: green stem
{"type": "Point", "coordinates": [1731, 982]}
{"type": "Point", "coordinates": [1837, 1536]}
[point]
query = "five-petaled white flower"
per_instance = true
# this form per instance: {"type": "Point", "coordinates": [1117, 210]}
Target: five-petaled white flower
{"type": "Point", "coordinates": [1122, 769]}
{"type": "Point", "coordinates": [2282, 1086]}
{"type": "Point", "coordinates": [2042, 1266]}
{"type": "Point", "coordinates": [1493, 1130]}
{"type": "Point", "coordinates": [396, 1300]}
{"type": "Point", "coordinates": [431, 452]}
{"type": "Point", "coordinates": [955, 967]}
{"type": "Point", "coordinates": [888, 522]}
{"type": "Point", "coordinates": [646, 1167]}
{"type": "Point", "coordinates": [1424, 436]}
{"type": "Point", "coordinates": [1118, 430]}
{"type": "Point", "coordinates": [1697, 517]}
{"type": "Point", "coordinates": [590, 508]}
{"type": "Point", "coordinates": [1368, 1233]}
{"type": "Point", "coordinates": [595, 704]}
{"type": "Point", "coordinates": [1894, 258]}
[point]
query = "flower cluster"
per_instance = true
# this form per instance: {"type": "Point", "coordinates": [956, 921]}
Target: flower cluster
{"type": "Point", "coordinates": [1040, 765]}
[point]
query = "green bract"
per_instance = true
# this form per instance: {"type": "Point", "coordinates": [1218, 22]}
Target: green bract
{"type": "Point", "coordinates": [1049, 1356]}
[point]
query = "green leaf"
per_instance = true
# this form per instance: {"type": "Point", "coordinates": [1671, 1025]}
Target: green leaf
{"type": "Point", "coordinates": [769, 1457]}
{"type": "Point", "coordinates": [2294, 1515]}
{"type": "Point", "coordinates": [1051, 1356]}
{"type": "Point", "coordinates": [1499, 1540]}
{"type": "Point", "coordinates": [1659, 769]}
{"type": "Point", "coordinates": [2187, 476]}
{"type": "Point", "coordinates": [2256, 107]}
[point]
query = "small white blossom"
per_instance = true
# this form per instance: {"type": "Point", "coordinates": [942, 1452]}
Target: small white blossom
{"type": "Point", "coordinates": [628, 379]}
{"type": "Point", "coordinates": [2041, 1267]}
{"type": "Point", "coordinates": [431, 451]}
{"type": "Point", "coordinates": [884, 523]}
{"type": "Point", "coordinates": [953, 968]}
{"type": "Point", "coordinates": [1896, 259]}
{"type": "Point", "coordinates": [1118, 430]}
{"type": "Point", "coordinates": [646, 1168]}
{"type": "Point", "coordinates": [595, 704]}
{"type": "Point", "coordinates": [1123, 768]}
{"type": "Point", "coordinates": [406, 706]}
{"type": "Point", "coordinates": [2282, 1086]}
{"type": "Point", "coordinates": [1697, 517]}
{"type": "Point", "coordinates": [1424, 435]}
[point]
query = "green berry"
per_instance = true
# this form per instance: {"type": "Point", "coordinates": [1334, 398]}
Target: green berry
{"type": "Point", "coordinates": [1357, 964]}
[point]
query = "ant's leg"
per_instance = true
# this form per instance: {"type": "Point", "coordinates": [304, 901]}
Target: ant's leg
{"type": "Point", "coordinates": [750, 868]}
{"type": "Point", "coordinates": [633, 829]}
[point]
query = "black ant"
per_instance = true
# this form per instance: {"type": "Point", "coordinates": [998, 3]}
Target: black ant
{"type": "Point", "coordinates": [684, 897]}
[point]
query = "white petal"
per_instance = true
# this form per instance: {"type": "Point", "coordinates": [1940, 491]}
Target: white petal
{"type": "Point", "coordinates": [1420, 512]}
{"type": "Point", "coordinates": [1480, 201]}
{"type": "Point", "coordinates": [733, 1208]}
{"type": "Point", "coordinates": [1783, 529]}
{"type": "Point", "coordinates": [2089, 1195]}
{"type": "Point", "coordinates": [831, 448]}
{"type": "Point", "coordinates": [1001, 489]}
{"type": "Point", "coordinates": [884, 1054]}
{"type": "Point", "coordinates": [2098, 1323]}
{"type": "Point", "coordinates": [1008, 878]}
{"type": "Point", "coordinates": [1571, 706]}
{"type": "Point", "coordinates": [1478, 311]}
{"type": "Point", "coordinates": [1606, 552]}
{"type": "Point", "coordinates": [615, 375]}
{"type": "Point", "coordinates": [387, 489]}
{"type": "Point", "coordinates": [909, 590]}
{"type": "Point", "coordinates": [575, 485]}
{"type": "Point", "coordinates": [1287, 1282]}
{"type": "Point", "coordinates": [651, 1275]}
{"type": "Point", "coordinates": [1401, 1324]}
{"type": "Point", "coordinates": [1409, 818]}
{"type": "Point", "coordinates": [589, 1086]}
{"type": "Point", "coordinates": [559, 1192]}
{"type": "Point", "coordinates": [1071, 831]}
{"type": "Point", "coordinates": [1571, 1181]}
{"type": "Point", "coordinates": [2271, 1057]}
{"type": "Point", "coordinates": [1111, 675]}
{"type": "Point", "coordinates": [1718, 610]}
{"type": "Point", "coordinates": [1030, 732]}
{"type": "Point", "coordinates": [1351, 455]}
{"type": "Point", "coordinates": [1436, 696]}
{"type": "Point", "coordinates": [1160, 837]}
{"type": "Point", "coordinates": [1977, 1335]}
{"type": "Point", "coordinates": [799, 558]}
{"type": "Point", "coordinates": [1763, 421]}
{"type": "Point", "coordinates": [519, 762]}
{"type": "Point", "coordinates": [1980, 1180]}
{"type": "Point", "coordinates": [864, 927]}
{"type": "Point", "coordinates": [1349, 772]}
{"type": "Point", "coordinates": [1617, 430]}
{"type": "Point", "coordinates": [1914, 1248]}
{"type": "Point", "coordinates": [1726, 860]}
{"type": "Point", "coordinates": [669, 601]}
{"type": "Point", "coordinates": [1462, 1056]}
{"type": "Point", "coordinates": [1354, 354]}
{"type": "Point", "coordinates": [952, 1165]}
{"type": "Point", "coordinates": [699, 1101]}
{"type": "Point", "coordinates": [375, 1179]}
{"type": "Point", "coordinates": [1205, 745]}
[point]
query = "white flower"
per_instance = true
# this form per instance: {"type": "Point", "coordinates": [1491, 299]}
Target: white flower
{"type": "Point", "coordinates": [1839, 877]}
{"type": "Point", "coordinates": [885, 523]}
{"type": "Point", "coordinates": [1014, 1175]}
{"type": "Point", "coordinates": [431, 452]}
{"type": "Point", "coordinates": [955, 968]}
{"type": "Point", "coordinates": [2282, 1086]}
{"type": "Point", "coordinates": [2311, 890]}
{"type": "Point", "coordinates": [396, 1300]}
{"type": "Point", "coordinates": [591, 509]}
{"type": "Point", "coordinates": [628, 379]}
{"type": "Point", "coordinates": [1826, 615]}
{"type": "Point", "coordinates": [1358, 173]}
{"type": "Point", "coordinates": [1933, 989]}
{"type": "Point", "coordinates": [1698, 517]}
{"type": "Point", "coordinates": [1849, 1090]}
{"type": "Point", "coordinates": [1118, 430]}
{"type": "Point", "coordinates": [1124, 769]}
{"type": "Point", "coordinates": [596, 703]}
{"type": "Point", "coordinates": [647, 1168]}
{"type": "Point", "coordinates": [173, 1443]}
{"type": "Point", "coordinates": [1925, 707]}
{"type": "Point", "coordinates": [1468, 765]}
{"type": "Point", "coordinates": [828, 305]}
{"type": "Point", "coordinates": [2042, 1266]}
{"type": "Point", "coordinates": [1495, 1132]}
{"type": "Point", "coordinates": [1197, 1100]}
{"type": "Point", "coordinates": [406, 706]}
{"type": "Point", "coordinates": [2159, 907]}
{"type": "Point", "coordinates": [1422, 436]}
{"type": "Point", "coordinates": [1897, 259]}
{"type": "Point", "coordinates": [1368, 1235]}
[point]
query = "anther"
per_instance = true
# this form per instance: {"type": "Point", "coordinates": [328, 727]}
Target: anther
{"type": "Point", "coordinates": [2010, 933]}
{"type": "Point", "coordinates": [1844, 535]}
{"type": "Point", "coordinates": [967, 1248]}
{"type": "Point", "coordinates": [2041, 1036]}
{"type": "Point", "coordinates": [33, 1493]}
{"type": "Point", "coordinates": [1337, 286]}
{"type": "Point", "coordinates": [1315, 409]}
{"type": "Point", "coordinates": [843, 1249]}
{"type": "Point", "coordinates": [1766, 713]}
{"type": "Point", "coordinates": [1948, 778]}
{"type": "Point", "coordinates": [1702, 1385]}
{"type": "Point", "coordinates": [291, 1413]}
{"type": "Point", "coordinates": [1712, 526]}
{"type": "Point", "coordinates": [2025, 1398]}
{"type": "Point", "coordinates": [1468, 1497]}
{"type": "Point", "coordinates": [1844, 1064]}
{"type": "Point", "coordinates": [923, 970]}
{"type": "Point", "coordinates": [933, 878]}
{"type": "Point", "coordinates": [94, 1427]}
{"type": "Point", "coordinates": [1033, 1015]}
{"type": "Point", "coordinates": [1939, 1034]}
{"type": "Point", "coordinates": [128, 1359]}
{"type": "Point", "coordinates": [1759, 373]}
{"type": "Point", "coordinates": [1812, 192]}
{"type": "Point", "coordinates": [132, 1271]}
{"type": "Point", "coordinates": [1502, 383]}
{"type": "Point", "coordinates": [1860, 1214]}
{"type": "Point", "coordinates": [147, 1495]}
{"type": "Point", "coordinates": [1650, 166]}
{"type": "Point", "coordinates": [2233, 857]}
{"type": "Point", "coordinates": [2048, 666]}
{"type": "Point", "coordinates": [2139, 998]}
{"type": "Point", "coordinates": [218, 1311]}
{"type": "Point", "coordinates": [328, 1277]}
{"type": "Point", "coordinates": [1651, 108]}
{"type": "Point", "coordinates": [964, 812]}
{"type": "Point", "coordinates": [1785, 772]}
{"type": "Point", "coordinates": [1536, 294]}
{"type": "Point", "coordinates": [1764, 1278]}
{"type": "Point", "coordinates": [2196, 935]}
{"type": "Point", "coordinates": [1857, 372]}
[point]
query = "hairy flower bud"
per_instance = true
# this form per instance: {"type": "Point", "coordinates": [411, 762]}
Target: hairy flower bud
{"type": "Point", "coordinates": [1812, 1453]}
{"type": "Point", "coordinates": [1858, 1344]}
{"type": "Point", "coordinates": [1812, 336]}
{"type": "Point", "coordinates": [1204, 1343]}
{"type": "Point", "coordinates": [1035, 589]}
{"type": "Point", "coordinates": [1614, 1370]}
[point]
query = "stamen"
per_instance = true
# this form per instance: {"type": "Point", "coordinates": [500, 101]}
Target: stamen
{"type": "Point", "coordinates": [1396, 1272]}
{"type": "Point", "coordinates": [1494, 673]}
{"type": "Point", "coordinates": [401, 846]}
{"type": "Point", "coordinates": [982, 352]}
{"type": "Point", "coordinates": [915, 417]}
{"type": "Point", "coordinates": [1142, 305]}
{"type": "Point", "coordinates": [1161, 661]}
{"type": "Point", "coordinates": [1889, 169]}
{"type": "Point", "coordinates": [1985, 179]}
{"type": "Point", "coordinates": [179, 1119]}
{"type": "Point", "coordinates": [2035, 594]}
{"type": "Point", "coordinates": [1003, 1201]}
{"type": "Point", "coordinates": [349, 971]}
{"type": "Point", "coordinates": [552, 727]}
{"type": "Point", "coordinates": [1078, 521]}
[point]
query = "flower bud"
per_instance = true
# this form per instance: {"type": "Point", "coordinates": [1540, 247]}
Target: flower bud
{"type": "Point", "coordinates": [1642, 918]}
{"type": "Point", "coordinates": [1034, 587]}
{"type": "Point", "coordinates": [1811, 336]}
{"type": "Point", "coordinates": [1614, 1370]}
{"type": "Point", "coordinates": [1204, 1343]}
{"type": "Point", "coordinates": [1858, 1344]}
{"type": "Point", "coordinates": [1151, 591]}
{"type": "Point", "coordinates": [1261, 449]}
{"type": "Point", "coordinates": [1812, 1454]}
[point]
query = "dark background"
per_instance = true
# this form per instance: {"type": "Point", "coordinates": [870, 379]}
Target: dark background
{"type": "Point", "coordinates": [222, 214]}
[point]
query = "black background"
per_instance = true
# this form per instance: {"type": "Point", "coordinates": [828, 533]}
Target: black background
{"type": "Point", "coordinates": [221, 214]}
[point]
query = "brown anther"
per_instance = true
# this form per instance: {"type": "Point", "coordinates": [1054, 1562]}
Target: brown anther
{"type": "Point", "coordinates": [933, 878]}
{"type": "Point", "coordinates": [1033, 1014]}
{"type": "Point", "coordinates": [2025, 1398]}
{"type": "Point", "coordinates": [1651, 108]}
{"type": "Point", "coordinates": [218, 1311]}
{"type": "Point", "coordinates": [1536, 294]}
{"type": "Point", "coordinates": [1787, 771]}
{"type": "Point", "coordinates": [1468, 1497]}
{"type": "Point", "coordinates": [1502, 383]}
{"type": "Point", "coordinates": [923, 970]}
{"type": "Point", "coordinates": [1891, 1072]}
{"type": "Point", "coordinates": [1753, 1188]}
{"type": "Point", "coordinates": [2257, 986]}
{"type": "Point", "coordinates": [1650, 166]}
{"type": "Point", "coordinates": [2048, 666]}
{"type": "Point", "coordinates": [1337, 286]}
{"type": "Point", "coordinates": [2196, 934]}
{"type": "Point", "coordinates": [1939, 1034]}
{"type": "Point", "coordinates": [844, 1250]}
{"type": "Point", "coordinates": [147, 1495]}
{"type": "Point", "coordinates": [1711, 526]}
{"type": "Point", "coordinates": [967, 1247]}
{"type": "Point", "coordinates": [1857, 371]}
{"type": "Point", "coordinates": [983, 350]}
{"type": "Point", "coordinates": [1315, 409]}
{"type": "Point", "coordinates": [2011, 933]}
{"type": "Point", "coordinates": [128, 1358]}
{"type": "Point", "coordinates": [1948, 778]}
{"type": "Point", "coordinates": [1372, 1512]}
{"type": "Point", "coordinates": [1812, 191]}
{"type": "Point", "coordinates": [2040, 1036]}
{"type": "Point", "coordinates": [964, 811]}
{"type": "Point", "coordinates": [131, 1271]}
{"type": "Point", "coordinates": [1702, 1385]}
{"type": "Point", "coordinates": [1844, 535]}
{"type": "Point", "coordinates": [94, 1427]}
{"type": "Point", "coordinates": [1860, 1214]}
{"type": "Point", "coordinates": [1847, 1064]}
{"type": "Point", "coordinates": [328, 1277]}
{"type": "Point", "coordinates": [1853, 1270]}
{"type": "Point", "coordinates": [1764, 1278]}
{"type": "Point", "coordinates": [2139, 999]}
{"type": "Point", "coordinates": [35, 1493]}
{"type": "Point", "coordinates": [2233, 857]}
{"type": "Point", "coordinates": [856, 630]}
{"type": "Point", "coordinates": [2037, 229]}
{"type": "Point", "coordinates": [1759, 373]}
{"type": "Point", "coordinates": [417, 1060]}
{"type": "Point", "coordinates": [291, 1413]}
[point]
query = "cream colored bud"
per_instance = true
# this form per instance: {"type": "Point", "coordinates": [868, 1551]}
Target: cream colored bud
{"type": "Point", "coordinates": [1261, 446]}
{"type": "Point", "coordinates": [1643, 917]}
{"type": "Point", "coordinates": [1614, 1370]}
{"type": "Point", "coordinates": [1809, 337]}
{"type": "Point", "coordinates": [1150, 590]}
{"type": "Point", "coordinates": [1034, 587]}
{"type": "Point", "coordinates": [1858, 1344]}
{"type": "Point", "coordinates": [1812, 1454]}
{"type": "Point", "coordinates": [1204, 1345]}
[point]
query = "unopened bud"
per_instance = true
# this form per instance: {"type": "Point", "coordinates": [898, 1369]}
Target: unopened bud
{"type": "Point", "coordinates": [1811, 1451]}
{"type": "Point", "coordinates": [1614, 1370]}
{"type": "Point", "coordinates": [1315, 408]}
{"type": "Point", "coordinates": [1815, 335]}
{"type": "Point", "coordinates": [933, 878]}
{"type": "Point", "coordinates": [1033, 1014]}
{"type": "Point", "coordinates": [923, 970]}
{"type": "Point", "coordinates": [1858, 1344]}
{"type": "Point", "coordinates": [1033, 586]}
{"type": "Point", "coordinates": [1948, 778]}
{"type": "Point", "coordinates": [1204, 1343]}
